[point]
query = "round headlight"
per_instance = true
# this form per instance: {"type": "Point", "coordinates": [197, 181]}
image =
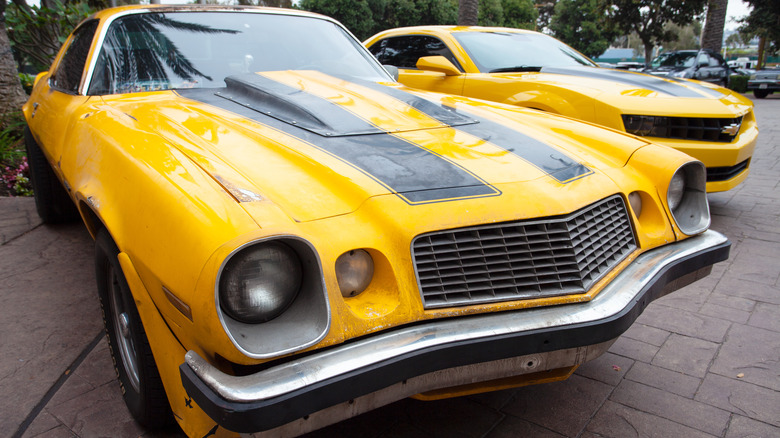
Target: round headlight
{"type": "Point", "coordinates": [258, 283]}
{"type": "Point", "coordinates": [354, 270]}
{"type": "Point", "coordinates": [676, 190]}
{"type": "Point", "coordinates": [635, 199]}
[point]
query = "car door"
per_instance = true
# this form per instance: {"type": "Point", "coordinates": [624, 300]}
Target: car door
{"type": "Point", "coordinates": [404, 51]}
{"type": "Point", "coordinates": [56, 100]}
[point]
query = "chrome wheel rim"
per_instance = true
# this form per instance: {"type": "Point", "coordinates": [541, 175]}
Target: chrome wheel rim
{"type": "Point", "coordinates": [122, 330]}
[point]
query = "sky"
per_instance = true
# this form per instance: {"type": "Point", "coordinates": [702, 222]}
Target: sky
{"type": "Point", "coordinates": [736, 9]}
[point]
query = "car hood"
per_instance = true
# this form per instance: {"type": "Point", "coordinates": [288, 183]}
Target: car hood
{"type": "Point", "coordinates": [319, 146]}
{"type": "Point", "coordinates": [666, 69]}
{"type": "Point", "coordinates": [623, 82]}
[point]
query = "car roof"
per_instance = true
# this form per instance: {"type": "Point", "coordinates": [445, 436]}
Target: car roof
{"type": "Point", "coordinates": [129, 9]}
{"type": "Point", "coordinates": [453, 29]}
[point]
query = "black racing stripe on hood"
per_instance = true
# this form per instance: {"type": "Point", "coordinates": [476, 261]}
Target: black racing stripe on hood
{"type": "Point", "coordinates": [439, 112]}
{"type": "Point", "coordinates": [645, 81]}
{"type": "Point", "coordinates": [294, 106]}
{"type": "Point", "coordinates": [415, 174]}
{"type": "Point", "coordinates": [544, 157]}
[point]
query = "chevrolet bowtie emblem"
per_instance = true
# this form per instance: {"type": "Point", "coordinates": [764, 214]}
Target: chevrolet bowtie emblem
{"type": "Point", "coordinates": [731, 129]}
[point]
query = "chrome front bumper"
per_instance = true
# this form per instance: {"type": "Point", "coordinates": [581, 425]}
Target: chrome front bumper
{"type": "Point", "coordinates": [324, 379]}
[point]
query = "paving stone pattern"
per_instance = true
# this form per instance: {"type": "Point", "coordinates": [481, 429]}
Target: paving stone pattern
{"type": "Point", "coordinates": [702, 362]}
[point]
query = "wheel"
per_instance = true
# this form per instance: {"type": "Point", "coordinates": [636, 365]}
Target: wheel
{"type": "Point", "coordinates": [52, 202]}
{"type": "Point", "coordinates": [761, 93]}
{"type": "Point", "coordinates": [134, 363]}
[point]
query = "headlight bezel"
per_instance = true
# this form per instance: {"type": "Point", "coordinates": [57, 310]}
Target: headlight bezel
{"type": "Point", "coordinates": [309, 312]}
{"type": "Point", "coordinates": [692, 212]}
{"type": "Point", "coordinates": [275, 296]}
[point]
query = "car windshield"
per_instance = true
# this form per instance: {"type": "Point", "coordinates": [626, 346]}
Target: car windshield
{"type": "Point", "coordinates": [161, 51]}
{"type": "Point", "coordinates": [493, 51]}
{"type": "Point", "coordinates": [675, 59]}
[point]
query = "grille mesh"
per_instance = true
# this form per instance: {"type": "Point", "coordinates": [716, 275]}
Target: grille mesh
{"type": "Point", "coordinates": [685, 128]}
{"type": "Point", "coordinates": [521, 260]}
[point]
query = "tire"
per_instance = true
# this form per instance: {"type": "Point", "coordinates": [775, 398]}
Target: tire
{"type": "Point", "coordinates": [52, 202]}
{"type": "Point", "coordinates": [761, 93]}
{"type": "Point", "coordinates": [134, 363]}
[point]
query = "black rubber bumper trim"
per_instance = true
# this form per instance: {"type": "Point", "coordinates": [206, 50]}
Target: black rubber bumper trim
{"type": "Point", "coordinates": [271, 413]}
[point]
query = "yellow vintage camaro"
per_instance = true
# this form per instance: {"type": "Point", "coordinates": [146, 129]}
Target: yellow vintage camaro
{"type": "Point", "coordinates": [287, 237]}
{"type": "Point", "coordinates": [532, 70]}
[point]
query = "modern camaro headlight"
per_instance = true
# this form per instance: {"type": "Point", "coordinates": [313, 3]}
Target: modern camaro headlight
{"type": "Point", "coordinates": [259, 282]}
{"type": "Point", "coordinates": [687, 198]}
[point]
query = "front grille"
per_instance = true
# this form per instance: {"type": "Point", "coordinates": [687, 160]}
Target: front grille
{"type": "Point", "coordinates": [522, 260]}
{"type": "Point", "coordinates": [726, 173]}
{"type": "Point", "coordinates": [722, 130]}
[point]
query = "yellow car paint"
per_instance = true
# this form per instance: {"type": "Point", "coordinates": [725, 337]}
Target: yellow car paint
{"type": "Point", "coordinates": [181, 184]}
{"type": "Point", "coordinates": [599, 100]}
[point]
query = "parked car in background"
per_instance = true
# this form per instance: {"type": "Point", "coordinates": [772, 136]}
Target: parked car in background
{"type": "Point", "coordinates": [702, 65]}
{"type": "Point", "coordinates": [529, 69]}
{"type": "Point", "coordinates": [287, 237]}
{"type": "Point", "coordinates": [764, 82]}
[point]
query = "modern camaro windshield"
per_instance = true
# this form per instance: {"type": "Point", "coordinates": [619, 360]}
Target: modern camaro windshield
{"type": "Point", "coordinates": [508, 51]}
{"type": "Point", "coordinates": [679, 59]}
{"type": "Point", "coordinates": [162, 51]}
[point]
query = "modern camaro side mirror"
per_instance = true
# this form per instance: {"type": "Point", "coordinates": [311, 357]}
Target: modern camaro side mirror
{"type": "Point", "coordinates": [439, 64]}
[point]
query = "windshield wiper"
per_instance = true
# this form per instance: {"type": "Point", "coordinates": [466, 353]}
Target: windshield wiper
{"type": "Point", "coordinates": [517, 68]}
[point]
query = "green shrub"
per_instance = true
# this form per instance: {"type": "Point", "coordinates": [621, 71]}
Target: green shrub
{"type": "Point", "coordinates": [14, 170]}
{"type": "Point", "coordinates": [738, 83]}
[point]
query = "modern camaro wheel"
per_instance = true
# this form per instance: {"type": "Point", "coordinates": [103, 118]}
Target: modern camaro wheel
{"type": "Point", "coordinates": [52, 202]}
{"type": "Point", "coordinates": [761, 93]}
{"type": "Point", "coordinates": [133, 360]}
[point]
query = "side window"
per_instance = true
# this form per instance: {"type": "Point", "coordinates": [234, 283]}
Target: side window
{"type": "Point", "coordinates": [703, 60]}
{"type": "Point", "coordinates": [403, 52]}
{"type": "Point", "coordinates": [716, 61]}
{"type": "Point", "coordinates": [71, 67]}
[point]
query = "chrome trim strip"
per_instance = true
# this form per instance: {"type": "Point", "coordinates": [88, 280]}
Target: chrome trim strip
{"type": "Point", "coordinates": [320, 367]}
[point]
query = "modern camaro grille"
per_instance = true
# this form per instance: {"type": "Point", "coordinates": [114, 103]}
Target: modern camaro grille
{"type": "Point", "coordinates": [522, 260]}
{"type": "Point", "coordinates": [722, 130]}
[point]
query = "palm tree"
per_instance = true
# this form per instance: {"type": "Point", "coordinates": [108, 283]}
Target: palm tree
{"type": "Point", "coordinates": [712, 37]}
{"type": "Point", "coordinates": [467, 12]}
{"type": "Point", "coordinates": [12, 96]}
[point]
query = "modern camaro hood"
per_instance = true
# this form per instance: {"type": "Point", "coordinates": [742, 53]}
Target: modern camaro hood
{"type": "Point", "coordinates": [622, 82]}
{"type": "Point", "coordinates": [320, 146]}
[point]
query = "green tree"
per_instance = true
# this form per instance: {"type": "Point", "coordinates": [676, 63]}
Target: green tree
{"type": "Point", "coordinates": [734, 41]}
{"type": "Point", "coordinates": [367, 17]}
{"type": "Point", "coordinates": [520, 14]}
{"type": "Point", "coordinates": [356, 15]}
{"type": "Point", "coordinates": [491, 13]}
{"type": "Point", "coordinates": [688, 37]}
{"type": "Point", "coordinates": [545, 9]}
{"type": "Point", "coordinates": [37, 32]}
{"type": "Point", "coordinates": [648, 18]}
{"type": "Point", "coordinates": [763, 22]}
{"type": "Point", "coordinates": [582, 25]}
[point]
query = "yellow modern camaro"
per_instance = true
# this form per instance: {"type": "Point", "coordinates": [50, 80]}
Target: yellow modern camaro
{"type": "Point", "coordinates": [286, 237]}
{"type": "Point", "coordinates": [529, 69]}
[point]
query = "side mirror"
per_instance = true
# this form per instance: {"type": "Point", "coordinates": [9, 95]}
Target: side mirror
{"type": "Point", "coordinates": [393, 70]}
{"type": "Point", "coordinates": [438, 64]}
{"type": "Point", "coordinates": [38, 77]}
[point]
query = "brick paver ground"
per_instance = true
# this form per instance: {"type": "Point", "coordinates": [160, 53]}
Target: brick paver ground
{"type": "Point", "coordinates": [702, 362]}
